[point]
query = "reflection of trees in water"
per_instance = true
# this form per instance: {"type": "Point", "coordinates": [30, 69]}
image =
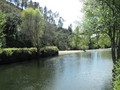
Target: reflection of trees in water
{"type": "Point", "coordinates": [26, 76]}
{"type": "Point", "coordinates": [85, 55]}
{"type": "Point", "coordinates": [94, 55]}
{"type": "Point", "coordinates": [106, 55]}
{"type": "Point", "coordinates": [107, 85]}
{"type": "Point", "coordinates": [43, 74]}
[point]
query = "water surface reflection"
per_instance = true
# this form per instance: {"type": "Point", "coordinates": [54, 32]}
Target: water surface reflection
{"type": "Point", "coordinates": [80, 71]}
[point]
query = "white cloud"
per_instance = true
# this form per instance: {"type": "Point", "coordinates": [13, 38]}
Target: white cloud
{"type": "Point", "coordinates": [68, 9]}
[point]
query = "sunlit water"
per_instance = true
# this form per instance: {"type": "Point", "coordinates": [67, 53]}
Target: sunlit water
{"type": "Point", "coordinates": [80, 71]}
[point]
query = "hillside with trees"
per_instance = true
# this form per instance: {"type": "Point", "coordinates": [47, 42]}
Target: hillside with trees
{"type": "Point", "coordinates": [15, 30]}
{"type": "Point", "coordinates": [85, 36]}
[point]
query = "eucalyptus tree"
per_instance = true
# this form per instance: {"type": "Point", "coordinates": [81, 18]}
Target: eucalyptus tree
{"type": "Point", "coordinates": [70, 29]}
{"type": "Point", "coordinates": [35, 5]}
{"type": "Point", "coordinates": [41, 9]}
{"type": "Point", "coordinates": [17, 2]}
{"type": "Point", "coordinates": [51, 17]}
{"type": "Point", "coordinates": [54, 33]}
{"type": "Point", "coordinates": [45, 11]}
{"type": "Point", "coordinates": [26, 3]}
{"type": "Point", "coordinates": [60, 22]}
{"type": "Point", "coordinates": [30, 4]}
{"type": "Point", "coordinates": [22, 4]}
{"type": "Point", "coordinates": [10, 1]}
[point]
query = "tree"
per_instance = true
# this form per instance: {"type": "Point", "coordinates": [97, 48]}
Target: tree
{"type": "Point", "coordinates": [104, 41]}
{"type": "Point", "coordinates": [30, 4]}
{"type": "Point", "coordinates": [33, 26]}
{"type": "Point", "coordinates": [35, 5]}
{"type": "Point", "coordinates": [60, 22]}
{"type": "Point", "coordinates": [22, 3]}
{"type": "Point", "coordinates": [2, 21]}
{"type": "Point", "coordinates": [79, 40]}
{"type": "Point", "coordinates": [10, 29]}
{"type": "Point", "coordinates": [75, 39]}
{"type": "Point", "coordinates": [26, 3]}
{"type": "Point", "coordinates": [17, 2]}
{"type": "Point", "coordinates": [106, 18]}
{"type": "Point", "coordinates": [70, 29]}
{"type": "Point", "coordinates": [10, 1]}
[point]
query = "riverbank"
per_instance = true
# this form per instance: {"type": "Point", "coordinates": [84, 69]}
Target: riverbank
{"type": "Point", "coordinates": [78, 51]}
{"type": "Point", "coordinates": [10, 55]}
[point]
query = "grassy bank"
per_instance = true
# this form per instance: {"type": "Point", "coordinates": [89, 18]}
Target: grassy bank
{"type": "Point", "coordinates": [116, 76]}
{"type": "Point", "coordinates": [8, 55]}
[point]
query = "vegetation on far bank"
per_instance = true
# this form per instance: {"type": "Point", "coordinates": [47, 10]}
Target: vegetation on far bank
{"type": "Point", "coordinates": [8, 55]}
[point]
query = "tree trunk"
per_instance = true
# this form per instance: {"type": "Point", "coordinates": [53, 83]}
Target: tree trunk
{"type": "Point", "coordinates": [113, 50]}
{"type": "Point", "coordinates": [113, 41]}
{"type": "Point", "coordinates": [118, 49]}
{"type": "Point", "coordinates": [38, 50]}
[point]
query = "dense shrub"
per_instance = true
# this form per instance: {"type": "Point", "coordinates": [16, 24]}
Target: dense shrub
{"type": "Point", "coordinates": [8, 55]}
{"type": "Point", "coordinates": [49, 51]}
{"type": "Point", "coordinates": [16, 54]}
{"type": "Point", "coordinates": [116, 76]}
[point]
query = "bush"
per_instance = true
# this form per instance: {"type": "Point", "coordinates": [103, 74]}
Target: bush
{"type": "Point", "coordinates": [9, 55]}
{"type": "Point", "coordinates": [116, 76]}
{"type": "Point", "coordinates": [49, 51]}
{"type": "Point", "coordinates": [17, 54]}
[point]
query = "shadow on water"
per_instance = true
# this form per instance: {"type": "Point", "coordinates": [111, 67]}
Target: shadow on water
{"type": "Point", "coordinates": [79, 71]}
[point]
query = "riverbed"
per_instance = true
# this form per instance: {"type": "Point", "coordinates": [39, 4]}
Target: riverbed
{"type": "Point", "coordinates": [90, 70]}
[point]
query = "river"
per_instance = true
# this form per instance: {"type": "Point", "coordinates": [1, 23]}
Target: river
{"type": "Point", "coordinates": [77, 71]}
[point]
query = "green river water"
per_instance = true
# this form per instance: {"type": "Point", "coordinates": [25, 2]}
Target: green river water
{"type": "Point", "coordinates": [78, 71]}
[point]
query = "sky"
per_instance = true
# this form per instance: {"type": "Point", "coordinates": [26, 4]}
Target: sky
{"type": "Point", "coordinates": [70, 10]}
